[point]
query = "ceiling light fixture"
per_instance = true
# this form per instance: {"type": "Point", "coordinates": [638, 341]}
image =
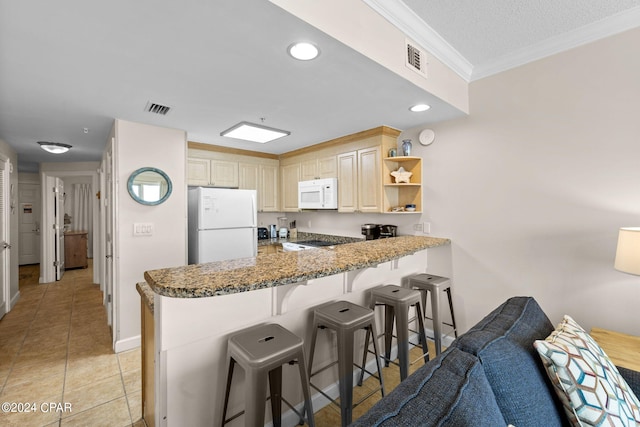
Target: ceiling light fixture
{"type": "Point", "coordinates": [304, 51]}
{"type": "Point", "coordinates": [254, 133]}
{"type": "Point", "coordinates": [54, 147]}
{"type": "Point", "coordinates": [418, 108]}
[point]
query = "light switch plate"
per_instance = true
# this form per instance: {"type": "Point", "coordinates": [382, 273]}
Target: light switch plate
{"type": "Point", "coordinates": [143, 229]}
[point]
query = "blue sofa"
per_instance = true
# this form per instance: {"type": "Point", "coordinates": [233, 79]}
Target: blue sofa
{"type": "Point", "coordinates": [489, 376]}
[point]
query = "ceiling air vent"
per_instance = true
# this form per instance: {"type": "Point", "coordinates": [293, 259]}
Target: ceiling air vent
{"type": "Point", "coordinates": [416, 58]}
{"type": "Point", "coordinates": [152, 107]}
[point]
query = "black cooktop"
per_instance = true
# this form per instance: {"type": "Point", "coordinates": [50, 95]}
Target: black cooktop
{"type": "Point", "coordinates": [316, 243]}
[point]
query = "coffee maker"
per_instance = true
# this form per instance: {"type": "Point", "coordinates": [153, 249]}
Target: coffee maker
{"type": "Point", "coordinates": [378, 231]}
{"type": "Point", "coordinates": [371, 231]}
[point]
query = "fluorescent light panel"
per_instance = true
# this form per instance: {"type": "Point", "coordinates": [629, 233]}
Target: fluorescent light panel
{"type": "Point", "coordinates": [254, 133]}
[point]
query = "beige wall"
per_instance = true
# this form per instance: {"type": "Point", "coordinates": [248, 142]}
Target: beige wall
{"type": "Point", "coordinates": [139, 145]}
{"type": "Point", "coordinates": [533, 185]}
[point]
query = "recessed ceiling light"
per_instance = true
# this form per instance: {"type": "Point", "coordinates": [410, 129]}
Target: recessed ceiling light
{"type": "Point", "coordinates": [254, 133]}
{"type": "Point", "coordinates": [419, 108]}
{"type": "Point", "coordinates": [54, 147]}
{"type": "Point", "coordinates": [304, 51]}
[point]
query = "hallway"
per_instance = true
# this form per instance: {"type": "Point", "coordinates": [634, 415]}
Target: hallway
{"type": "Point", "coordinates": [55, 348]}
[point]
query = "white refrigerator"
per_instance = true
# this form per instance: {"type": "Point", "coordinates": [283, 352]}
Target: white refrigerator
{"type": "Point", "coordinates": [222, 224]}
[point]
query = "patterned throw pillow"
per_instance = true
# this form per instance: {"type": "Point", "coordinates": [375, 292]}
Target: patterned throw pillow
{"type": "Point", "coordinates": [589, 385]}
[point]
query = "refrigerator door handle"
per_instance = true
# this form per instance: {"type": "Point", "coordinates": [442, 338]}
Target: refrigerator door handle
{"type": "Point", "coordinates": [255, 244]}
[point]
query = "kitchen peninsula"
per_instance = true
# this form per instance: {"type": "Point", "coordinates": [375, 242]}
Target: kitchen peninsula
{"type": "Point", "coordinates": [188, 313]}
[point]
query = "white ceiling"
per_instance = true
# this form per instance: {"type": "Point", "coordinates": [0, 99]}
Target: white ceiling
{"type": "Point", "coordinates": [481, 38]}
{"type": "Point", "coordinates": [72, 64]}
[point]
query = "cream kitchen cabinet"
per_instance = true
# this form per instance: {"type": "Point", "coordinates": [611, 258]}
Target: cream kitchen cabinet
{"type": "Point", "coordinates": [360, 181]}
{"type": "Point", "coordinates": [316, 168]}
{"type": "Point", "coordinates": [289, 176]}
{"type": "Point", "coordinates": [263, 179]}
{"type": "Point", "coordinates": [212, 173]}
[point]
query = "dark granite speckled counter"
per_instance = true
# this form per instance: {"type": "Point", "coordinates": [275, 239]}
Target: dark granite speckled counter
{"type": "Point", "coordinates": [246, 274]}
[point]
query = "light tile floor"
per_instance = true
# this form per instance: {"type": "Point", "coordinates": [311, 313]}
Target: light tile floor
{"type": "Point", "coordinates": [55, 348]}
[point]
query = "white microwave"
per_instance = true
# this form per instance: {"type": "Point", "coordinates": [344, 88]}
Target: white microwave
{"type": "Point", "coordinates": [318, 194]}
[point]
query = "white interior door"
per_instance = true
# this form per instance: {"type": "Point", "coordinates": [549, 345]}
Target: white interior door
{"type": "Point", "coordinates": [29, 218]}
{"type": "Point", "coordinates": [58, 227]}
{"type": "Point", "coordinates": [4, 239]}
{"type": "Point", "coordinates": [108, 218]}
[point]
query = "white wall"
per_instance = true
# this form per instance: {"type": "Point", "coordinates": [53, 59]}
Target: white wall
{"type": "Point", "coordinates": [137, 146]}
{"type": "Point", "coordinates": [533, 186]}
{"type": "Point", "coordinates": [14, 293]}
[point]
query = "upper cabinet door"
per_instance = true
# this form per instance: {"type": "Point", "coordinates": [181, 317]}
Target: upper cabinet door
{"type": "Point", "coordinates": [309, 170]}
{"type": "Point", "coordinates": [347, 182]}
{"type": "Point", "coordinates": [290, 175]}
{"type": "Point", "coordinates": [268, 191]}
{"type": "Point", "coordinates": [198, 172]}
{"type": "Point", "coordinates": [224, 173]}
{"type": "Point", "coordinates": [248, 176]}
{"type": "Point", "coordinates": [327, 167]}
{"type": "Point", "coordinates": [369, 180]}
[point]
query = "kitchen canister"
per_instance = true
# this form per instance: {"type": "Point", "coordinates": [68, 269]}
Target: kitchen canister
{"type": "Point", "coordinates": [406, 147]}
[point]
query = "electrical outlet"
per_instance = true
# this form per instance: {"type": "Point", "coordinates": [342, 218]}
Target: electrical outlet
{"type": "Point", "coordinates": [417, 227]}
{"type": "Point", "coordinates": [426, 228]}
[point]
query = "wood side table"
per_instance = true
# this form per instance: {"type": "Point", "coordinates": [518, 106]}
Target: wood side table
{"type": "Point", "coordinates": [622, 349]}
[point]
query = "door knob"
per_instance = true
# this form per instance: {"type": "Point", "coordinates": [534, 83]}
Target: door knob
{"type": "Point", "coordinates": [5, 245]}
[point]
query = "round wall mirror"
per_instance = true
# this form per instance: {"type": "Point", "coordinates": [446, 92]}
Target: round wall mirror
{"type": "Point", "coordinates": [149, 186]}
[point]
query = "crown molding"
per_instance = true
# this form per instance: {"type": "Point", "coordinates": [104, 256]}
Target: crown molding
{"type": "Point", "coordinates": [403, 18]}
{"type": "Point", "coordinates": [406, 20]}
{"type": "Point", "coordinates": [560, 43]}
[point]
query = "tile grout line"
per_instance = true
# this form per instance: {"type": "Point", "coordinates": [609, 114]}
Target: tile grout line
{"type": "Point", "coordinates": [66, 362]}
{"type": "Point", "coordinates": [126, 397]}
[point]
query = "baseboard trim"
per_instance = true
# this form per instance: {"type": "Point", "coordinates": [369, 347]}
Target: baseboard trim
{"type": "Point", "coordinates": [127, 344]}
{"type": "Point", "coordinates": [14, 300]}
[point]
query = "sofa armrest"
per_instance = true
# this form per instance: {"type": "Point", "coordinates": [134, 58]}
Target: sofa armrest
{"type": "Point", "coordinates": [632, 378]}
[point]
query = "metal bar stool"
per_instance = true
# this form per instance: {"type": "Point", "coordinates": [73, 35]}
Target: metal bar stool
{"type": "Point", "coordinates": [261, 350]}
{"type": "Point", "coordinates": [426, 283]}
{"type": "Point", "coordinates": [345, 318]}
{"type": "Point", "coordinates": [397, 301]}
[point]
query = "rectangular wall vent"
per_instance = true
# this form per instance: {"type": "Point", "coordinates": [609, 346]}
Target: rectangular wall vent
{"type": "Point", "coordinates": [416, 59]}
{"type": "Point", "coordinates": [152, 107]}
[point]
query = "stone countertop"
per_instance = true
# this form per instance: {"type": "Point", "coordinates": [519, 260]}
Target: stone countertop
{"type": "Point", "coordinates": [247, 274]}
{"type": "Point", "coordinates": [146, 293]}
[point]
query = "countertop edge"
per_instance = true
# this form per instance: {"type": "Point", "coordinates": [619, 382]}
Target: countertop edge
{"type": "Point", "coordinates": [146, 294]}
{"type": "Point", "coordinates": [206, 291]}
